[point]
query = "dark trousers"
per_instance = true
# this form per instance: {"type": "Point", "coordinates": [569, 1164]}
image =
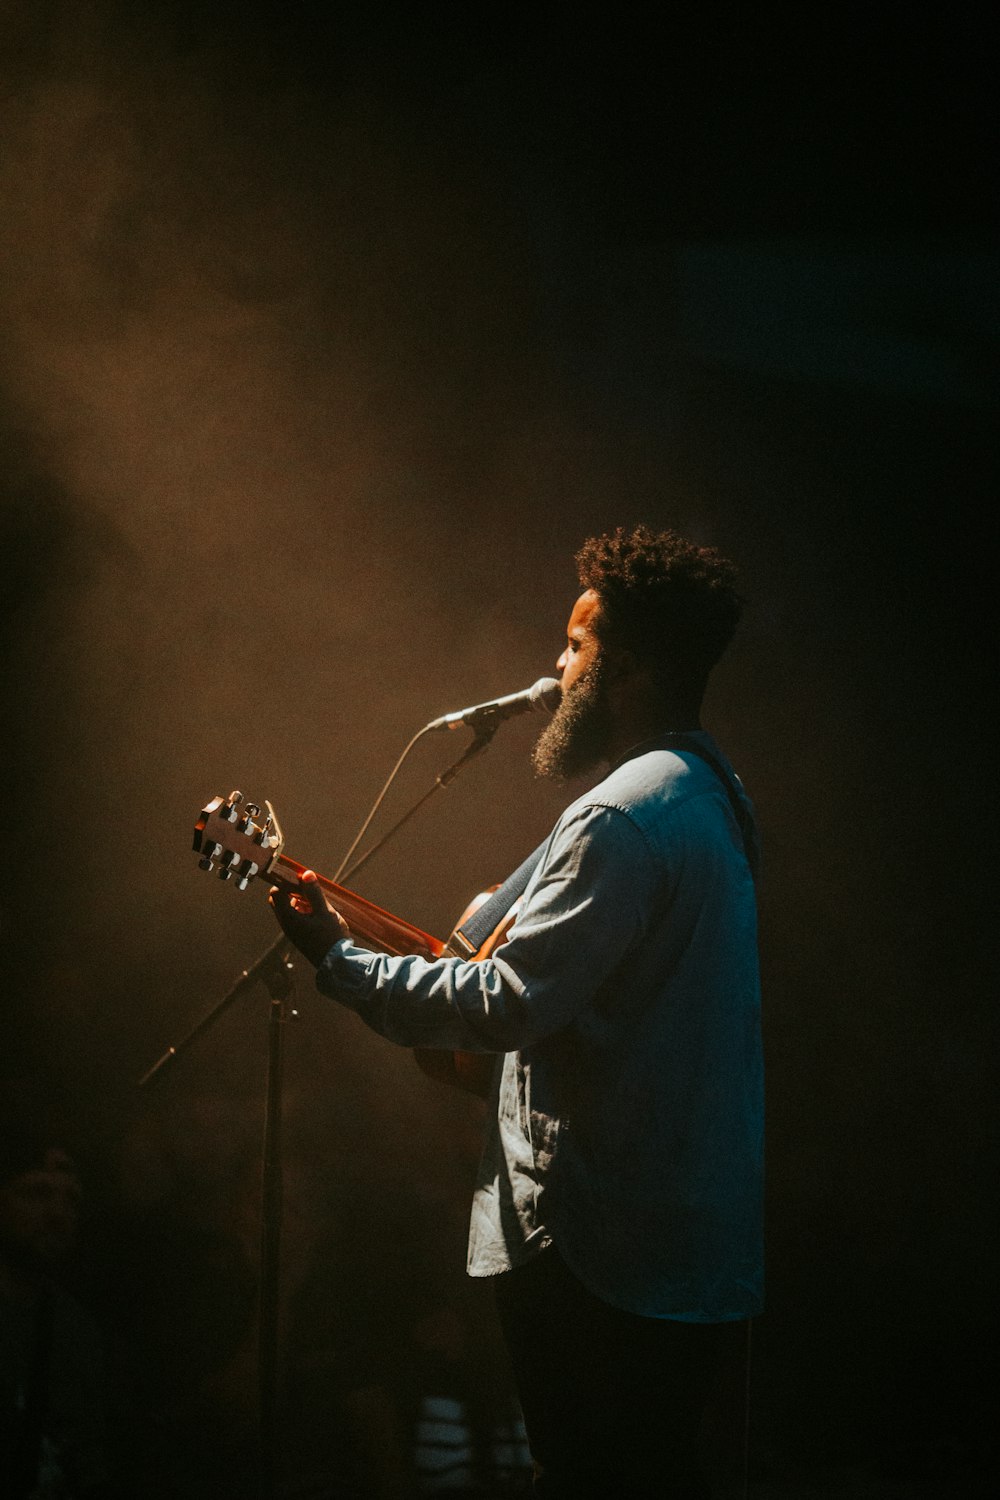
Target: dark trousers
{"type": "Point", "coordinates": [612, 1402]}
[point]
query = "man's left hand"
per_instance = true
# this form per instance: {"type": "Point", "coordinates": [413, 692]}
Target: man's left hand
{"type": "Point", "coordinates": [306, 919]}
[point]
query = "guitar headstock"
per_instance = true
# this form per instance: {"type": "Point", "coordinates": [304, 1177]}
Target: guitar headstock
{"type": "Point", "coordinates": [230, 842]}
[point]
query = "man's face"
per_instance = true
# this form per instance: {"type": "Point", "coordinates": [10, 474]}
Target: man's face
{"type": "Point", "coordinates": [40, 1212]}
{"type": "Point", "coordinates": [578, 736]}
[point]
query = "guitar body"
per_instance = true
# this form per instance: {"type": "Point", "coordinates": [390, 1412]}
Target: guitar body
{"type": "Point", "coordinates": [235, 847]}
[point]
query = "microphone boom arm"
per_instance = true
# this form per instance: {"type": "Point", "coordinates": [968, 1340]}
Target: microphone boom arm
{"type": "Point", "coordinates": [483, 719]}
{"type": "Point", "coordinates": [482, 739]}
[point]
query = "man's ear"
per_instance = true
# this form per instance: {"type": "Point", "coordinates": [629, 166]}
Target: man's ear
{"type": "Point", "coordinates": [621, 664]}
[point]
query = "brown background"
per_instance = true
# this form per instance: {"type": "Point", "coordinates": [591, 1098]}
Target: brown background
{"type": "Point", "coordinates": [326, 340]}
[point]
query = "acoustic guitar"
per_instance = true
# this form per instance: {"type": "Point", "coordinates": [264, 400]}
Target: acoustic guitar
{"type": "Point", "coordinates": [237, 847]}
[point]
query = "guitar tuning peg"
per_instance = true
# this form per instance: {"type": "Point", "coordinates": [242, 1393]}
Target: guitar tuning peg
{"type": "Point", "coordinates": [246, 873]}
{"type": "Point", "coordinates": [235, 798]}
{"type": "Point", "coordinates": [225, 874]}
{"type": "Point", "coordinates": [209, 854]}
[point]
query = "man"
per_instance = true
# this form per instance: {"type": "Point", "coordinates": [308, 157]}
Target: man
{"type": "Point", "coordinates": [618, 1203]}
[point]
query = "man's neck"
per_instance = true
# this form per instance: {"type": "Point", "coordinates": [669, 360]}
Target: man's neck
{"type": "Point", "coordinates": [639, 728]}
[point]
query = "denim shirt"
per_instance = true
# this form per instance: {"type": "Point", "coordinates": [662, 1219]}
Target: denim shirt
{"type": "Point", "coordinates": [628, 1123]}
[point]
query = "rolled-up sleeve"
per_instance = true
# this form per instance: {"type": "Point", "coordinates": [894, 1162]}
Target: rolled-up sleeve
{"type": "Point", "coordinates": [586, 907]}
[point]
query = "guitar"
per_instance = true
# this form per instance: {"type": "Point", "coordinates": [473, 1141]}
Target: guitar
{"type": "Point", "coordinates": [236, 847]}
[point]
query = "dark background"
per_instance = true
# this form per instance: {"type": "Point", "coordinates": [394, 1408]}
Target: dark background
{"type": "Point", "coordinates": [328, 334]}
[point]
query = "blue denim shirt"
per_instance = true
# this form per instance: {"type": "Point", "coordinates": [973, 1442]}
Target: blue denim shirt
{"type": "Point", "coordinates": [628, 1122]}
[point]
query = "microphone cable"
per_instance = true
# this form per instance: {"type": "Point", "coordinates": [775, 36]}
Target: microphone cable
{"type": "Point", "coordinates": [374, 809]}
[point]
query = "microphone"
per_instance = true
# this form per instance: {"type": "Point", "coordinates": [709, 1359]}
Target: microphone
{"type": "Point", "coordinates": [544, 694]}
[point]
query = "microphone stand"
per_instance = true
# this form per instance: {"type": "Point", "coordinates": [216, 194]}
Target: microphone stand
{"type": "Point", "coordinates": [483, 735]}
{"type": "Point", "coordinates": [275, 969]}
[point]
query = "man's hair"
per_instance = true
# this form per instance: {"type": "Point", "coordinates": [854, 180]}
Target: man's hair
{"type": "Point", "coordinates": [673, 605]}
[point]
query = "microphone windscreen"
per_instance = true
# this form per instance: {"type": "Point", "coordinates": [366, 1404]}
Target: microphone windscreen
{"type": "Point", "coordinates": [547, 694]}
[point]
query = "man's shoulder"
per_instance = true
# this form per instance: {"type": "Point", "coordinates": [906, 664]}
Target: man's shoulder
{"type": "Point", "coordinates": [655, 810]}
{"type": "Point", "coordinates": [664, 775]}
{"type": "Point", "coordinates": [666, 792]}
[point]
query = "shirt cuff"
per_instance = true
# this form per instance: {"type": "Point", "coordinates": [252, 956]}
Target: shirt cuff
{"type": "Point", "coordinates": [344, 967]}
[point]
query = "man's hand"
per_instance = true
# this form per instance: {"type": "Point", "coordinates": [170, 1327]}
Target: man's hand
{"type": "Point", "coordinates": [312, 925]}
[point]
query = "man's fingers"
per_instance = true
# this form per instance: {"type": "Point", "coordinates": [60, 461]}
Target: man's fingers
{"type": "Point", "coordinates": [307, 900]}
{"type": "Point", "coordinates": [305, 915]}
{"type": "Point", "coordinates": [311, 892]}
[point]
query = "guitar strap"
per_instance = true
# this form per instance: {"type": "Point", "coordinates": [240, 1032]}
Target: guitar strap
{"type": "Point", "coordinates": [472, 934]}
{"type": "Point", "coordinates": [730, 781]}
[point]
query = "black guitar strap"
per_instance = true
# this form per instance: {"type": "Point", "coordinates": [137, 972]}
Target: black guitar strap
{"type": "Point", "coordinates": [472, 934]}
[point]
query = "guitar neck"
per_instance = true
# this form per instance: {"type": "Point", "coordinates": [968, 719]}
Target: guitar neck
{"type": "Point", "coordinates": [370, 924]}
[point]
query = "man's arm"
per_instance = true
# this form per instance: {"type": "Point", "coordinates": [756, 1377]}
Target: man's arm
{"type": "Point", "coordinates": [590, 904]}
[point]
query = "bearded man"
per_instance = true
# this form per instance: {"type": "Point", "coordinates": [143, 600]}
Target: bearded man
{"type": "Point", "coordinates": [618, 1204]}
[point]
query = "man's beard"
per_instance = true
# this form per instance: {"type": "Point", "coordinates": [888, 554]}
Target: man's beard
{"type": "Point", "coordinates": [579, 734]}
